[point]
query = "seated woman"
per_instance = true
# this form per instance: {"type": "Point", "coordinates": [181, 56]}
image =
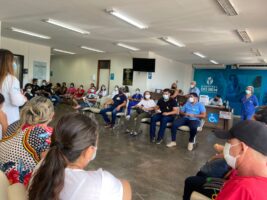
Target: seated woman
{"type": "Point", "coordinates": [70, 92]}
{"type": "Point", "coordinates": [28, 91]}
{"type": "Point", "coordinates": [63, 89]}
{"type": "Point", "coordinates": [62, 173]}
{"type": "Point", "coordinates": [3, 118]}
{"type": "Point", "coordinates": [88, 100]}
{"type": "Point", "coordinates": [78, 96]}
{"type": "Point", "coordinates": [102, 92]}
{"type": "Point", "coordinates": [26, 140]}
{"type": "Point", "coordinates": [133, 100]}
{"type": "Point", "coordinates": [143, 109]}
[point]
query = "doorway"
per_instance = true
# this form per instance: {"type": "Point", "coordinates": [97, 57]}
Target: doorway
{"type": "Point", "coordinates": [103, 72]}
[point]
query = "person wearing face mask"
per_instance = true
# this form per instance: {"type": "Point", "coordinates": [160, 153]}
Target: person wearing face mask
{"type": "Point", "coordinates": [88, 100]}
{"type": "Point", "coordinates": [143, 109]}
{"type": "Point", "coordinates": [28, 91]}
{"type": "Point", "coordinates": [115, 91]}
{"type": "Point", "coordinates": [62, 173]}
{"type": "Point", "coordinates": [102, 92]}
{"type": "Point", "coordinates": [133, 100]}
{"type": "Point", "coordinates": [35, 87]}
{"type": "Point", "coordinates": [192, 112]}
{"type": "Point", "coordinates": [193, 88]}
{"type": "Point", "coordinates": [245, 151]}
{"type": "Point", "coordinates": [175, 91]}
{"type": "Point", "coordinates": [216, 101]}
{"type": "Point", "coordinates": [166, 110]}
{"type": "Point", "coordinates": [114, 105]}
{"type": "Point", "coordinates": [249, 102]}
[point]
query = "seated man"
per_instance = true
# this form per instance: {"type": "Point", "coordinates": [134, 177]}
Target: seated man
{"type": "Point", "coordinates": [166, 111]}
{"type": "Point", "coordinates": [216, 101]}
{"type": "Point", "coordinates": [192, 112]}
{"type": "Point", "coordinates": [245, 151]}
{"type": "Point", "coordinates": [116, 105]}
{"type": "Point", "coordinates": [133, 101]}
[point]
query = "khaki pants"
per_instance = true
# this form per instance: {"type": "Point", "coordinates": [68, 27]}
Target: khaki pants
{"type": "Point", "coordinates": [135, 120]}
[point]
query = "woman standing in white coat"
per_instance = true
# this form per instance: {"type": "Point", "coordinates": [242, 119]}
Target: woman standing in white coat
{"type": "Point", "coordinates": [10, 87]}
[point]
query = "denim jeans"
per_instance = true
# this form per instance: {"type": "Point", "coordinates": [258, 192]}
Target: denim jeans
{"type": "Point", "coordinates": [112, 109]}
{"type": "Point", "coordinates": [163, 124]}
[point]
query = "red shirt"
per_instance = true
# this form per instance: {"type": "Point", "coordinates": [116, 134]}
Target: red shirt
{"type": "Point", "coordinates": [71, 90]}
{"type": "Point", "coordinates": [79, 92]}
{"type": "Point", "coordinates": [244, 188]}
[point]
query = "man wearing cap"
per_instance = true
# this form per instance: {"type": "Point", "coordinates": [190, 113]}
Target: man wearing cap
{"type": "Point", "coordinates": [249, 103]}
{"type": "Point", "coordinates": [245, 151]}
{"type": "Point", "coordinates": [192, 112]}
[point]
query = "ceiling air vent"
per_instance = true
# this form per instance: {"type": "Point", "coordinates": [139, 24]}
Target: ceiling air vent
{"type": "Point", "coordinates": [252, 66]}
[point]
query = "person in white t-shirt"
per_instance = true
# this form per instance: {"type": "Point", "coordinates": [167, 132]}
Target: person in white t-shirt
{"type": "Point", "coordinates": [10, 87]}
{"type": "Point", "coordinates": [61, 174]}
{"type": "Point", "coordinates": [142, 110]}
{"type": "Point", "coordinates": [216, 101]}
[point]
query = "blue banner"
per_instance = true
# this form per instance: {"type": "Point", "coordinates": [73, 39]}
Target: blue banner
{"type": "Point", "coordinates": [231, 84]}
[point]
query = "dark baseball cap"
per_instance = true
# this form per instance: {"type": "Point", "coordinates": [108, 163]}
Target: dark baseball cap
{"type": "Point", "coordinates": [252, 133]}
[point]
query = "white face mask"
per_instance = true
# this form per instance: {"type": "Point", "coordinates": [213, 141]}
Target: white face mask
{"type": "Point", "coordinates": [248, 92]}
{"type": "Point", "coordinates": [44, 84]}
{"type": "Point", "coordinates": [230, 160]}
{"type": "Point", "coordinates": [81, 88]}
{"type": "Point", "coordinates": [93, 157]}
{"type": "Point", "coordinates": [192, 86]}
{"type": "Point", "coordinates": [191, 99]}
{"type": "Point", "coordinates": [166, 97]}
{"type": "Point", "coordinates": [116, 89]}
{"type": "Point", "coordinates": [137, 91]}
{"type": "Point", "coordinates": [147, 96]}
{"type": "Point", "coordinates": [92, 90]}
{"type": "Point", "coordinates": [29, 90]}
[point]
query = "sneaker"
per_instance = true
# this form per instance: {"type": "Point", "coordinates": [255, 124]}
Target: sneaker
{"type": "Point", "coordinates": [127, 131]}
{"type": "Point", "coordinates": [131, 133]}
{"type": "Point", "coordinates": [171, 144]}
{"type": "Point", "coordinates": [127, 117]}
{"type": "Point", "coordinates": [190, 146]}
{"type": "Point", "coordinates": [153, 140]}
{"type": "Point", "coordinates": [135, 133]}
{"type": "Point", "coordinates": [159, 141]}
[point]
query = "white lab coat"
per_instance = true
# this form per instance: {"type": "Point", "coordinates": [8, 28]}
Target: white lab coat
{"type": "Point", "coordinates": [13, 98]}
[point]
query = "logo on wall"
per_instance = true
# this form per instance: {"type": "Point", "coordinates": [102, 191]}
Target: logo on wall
{"type": "Point", "coordinates": [209, 80]}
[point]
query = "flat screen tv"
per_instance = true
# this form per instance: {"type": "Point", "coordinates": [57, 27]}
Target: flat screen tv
{"type": "Point", "coordinates": [144, 64]}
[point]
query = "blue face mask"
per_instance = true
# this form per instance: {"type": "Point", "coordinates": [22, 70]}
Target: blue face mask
{"type": "Point", "coordinates": [15, 66]}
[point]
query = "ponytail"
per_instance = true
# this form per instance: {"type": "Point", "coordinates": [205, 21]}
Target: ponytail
{"type": "Point", "coordinates": [49, 178]}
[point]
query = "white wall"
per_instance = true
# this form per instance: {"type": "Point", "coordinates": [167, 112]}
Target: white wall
{"type": "Point", "coordinates": [81, 68]}
{"type": "Point", "coordinates": [31, 52]}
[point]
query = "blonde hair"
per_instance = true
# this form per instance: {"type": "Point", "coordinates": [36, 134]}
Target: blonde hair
{"type": "Point", "coordinates": [36, 111]}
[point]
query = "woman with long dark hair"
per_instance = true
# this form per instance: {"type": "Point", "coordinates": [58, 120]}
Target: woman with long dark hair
{"type": "Point", "coordinates": [61, 174]}
{"type": "Point", "coordinates": [10, 87]}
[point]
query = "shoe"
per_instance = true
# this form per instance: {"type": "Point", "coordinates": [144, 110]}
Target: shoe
{"type": "Point", "coordinates": [171, 144]}
{"type": "Point", "coordinates": [127, 131]}
{"type": "Point", "coordinates": [190, 146]}
{"type": "Point", "coordinates": [127, 117]}
{"type": "Point", "coordinates": [107, 126]}
{"type": "Point", "coordinates": [131, 133]}
{"type": "Point", "coordinates": [159, 141]}
{"type": "Point", "coordinates": [135, 133]}
{"type": "Point", "coordinates": [153, 140]}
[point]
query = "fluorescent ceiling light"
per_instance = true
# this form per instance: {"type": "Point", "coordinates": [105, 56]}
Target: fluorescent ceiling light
{"type": "Point", "coordinates": [127, 47]}
{"type": "Point", "coordinates": [214, 62]}
{"type": "Point", "coordinates": [243, 34]}
{"type": "Point", "coordinates": [126, 19]}
{"type": "Point", "coordinates": [228, 7]}
{"type": "Point", "coordinates": [256, 52]}
{"type": "Point", "coordinates": [92, 49]}
{"type": "Point", "coordinates": [30, 33]}
{"type": "Point", "coordinates": [67, 26]}
{"type": "Point", "coordinates": [173, 41]}
{"type": "Point", "coordinates": [63, 51]}
{"type": "Point", "coordinates": [199, 54]}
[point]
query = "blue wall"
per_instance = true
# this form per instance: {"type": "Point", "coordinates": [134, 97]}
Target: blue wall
{"type": "Point", "coordinates": [231, 84]}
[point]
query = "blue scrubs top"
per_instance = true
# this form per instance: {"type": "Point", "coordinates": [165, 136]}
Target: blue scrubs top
{"type": "Point", "coordinates": [248, 105]}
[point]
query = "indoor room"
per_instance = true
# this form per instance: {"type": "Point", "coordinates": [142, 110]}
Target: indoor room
{"type": "Point", "coordinates": [136, 99]}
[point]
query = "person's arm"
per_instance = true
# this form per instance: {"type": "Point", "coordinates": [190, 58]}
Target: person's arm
{"type": "Point", "coordinates": [3, 122]}
{"type": "Point", "coordinates": [175, 94]}
{"type": "Point", "coordinates": [127, 190]}
{"type": "Point", "coordinates": [173, 112]}
{"type": "Point", "coordinates": [256, 102]}
{"type": "Point", "coordinates": [17, 98]}
{"type": "Point", "coordinates": [108, 102]}
{"type": "Point", "coordinates": [121, 105]}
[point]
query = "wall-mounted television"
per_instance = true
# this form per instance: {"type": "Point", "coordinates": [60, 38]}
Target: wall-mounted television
{"type": "Point", "coordinates": [144, 64]}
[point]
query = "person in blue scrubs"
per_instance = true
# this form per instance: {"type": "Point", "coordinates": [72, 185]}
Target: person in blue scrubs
{"type": "Point", "coordinates": [249, 103]}
{"type": "Point", "coordinates": [133, 101]}
{"type": "Point", "coordinates": [192, 112]}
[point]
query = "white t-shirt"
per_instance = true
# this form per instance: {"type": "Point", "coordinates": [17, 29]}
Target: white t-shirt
{"type": "Point", "coordinates": [147, 103]}
{"type": "Point", "coordinates": [13, 98]}
{"type": "Point", "coordinates": [216, 103]}
{"type": "Point", "coordinates": [91, 185]}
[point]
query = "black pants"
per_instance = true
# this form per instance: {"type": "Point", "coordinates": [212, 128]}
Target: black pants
{"type": "Point", "coordinates": [195, 183]}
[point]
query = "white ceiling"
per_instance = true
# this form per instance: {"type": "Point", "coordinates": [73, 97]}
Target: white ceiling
{"type": "Point", "coordinates": [200, 24]}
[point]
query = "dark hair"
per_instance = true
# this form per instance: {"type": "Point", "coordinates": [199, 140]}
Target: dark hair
{"type": "Point", "coordinates": [58, 85]}
{"type": "Point", "coordinates": [27, 85]}
{"type": "Point", "coordinates": [72, 135]}
{"type": "Point", "coordinates": [167, 90]}
{"type": "Point", "coordinates": [261, 114]}
{"type": "Point", "coordinates": [72, 84]}
{"type": "Point", "coordinates": [219, 96]}
{"type": "Point", "coordinates": [2, 99]}
{"type": "Point", "coordinates": [6, 67]}
{"type": "Point", "coordinates": [34, 79]}
{"type": "Point", "coordinates": [126, 88]}
{"type": "Point", "coordinates": [194, 94]}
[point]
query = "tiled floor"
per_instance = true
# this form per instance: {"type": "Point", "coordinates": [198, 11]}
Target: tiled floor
{"type": "Point", "coordinates": [154, 171]}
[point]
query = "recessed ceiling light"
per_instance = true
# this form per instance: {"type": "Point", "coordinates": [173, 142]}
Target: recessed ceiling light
{"type": "Point", "coordinates": [228, 7]}
{"type": "Point", "coordinates": [243, 34]}
{"type": "Point", "coordinates": [63, 51]}
{"type": "Point", "coordinates": [199, 54]}
{"type": "Point", "coordinates": [30, 33]}
{"type": "Point", "coordinates": [126, 19]}
{"type": "Point", "coordinates": [92, 49]}
{"type": "Point", "coordinates": [127, 46]}
{"type": "Point", "coordinates": [214, 62]}
{"type": "Point", "coordinates": [67, 26]}
{"type": "Point", "coordinates": [172, 41]}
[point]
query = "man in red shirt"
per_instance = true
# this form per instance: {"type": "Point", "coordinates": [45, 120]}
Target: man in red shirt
{"type": "Point", "coordinates": [246, 151]}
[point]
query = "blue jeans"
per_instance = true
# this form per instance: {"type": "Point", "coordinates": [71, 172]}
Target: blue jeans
{"type": "Point", "coordinates": [163, 124]}
{"type": "Point", "coordinates": [193, 125]}
{"type": "Point", "coordinates": [130, 105]}
{"type": "Point", "coordinates": [57, 99]}
{"type": "Point", "coordinates": [112, 109]}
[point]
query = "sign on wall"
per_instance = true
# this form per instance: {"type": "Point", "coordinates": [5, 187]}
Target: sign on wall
{"type": "Point", "coordinates": [39, 70]}
{"type": "Point", "coordinates": [127, 76]}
